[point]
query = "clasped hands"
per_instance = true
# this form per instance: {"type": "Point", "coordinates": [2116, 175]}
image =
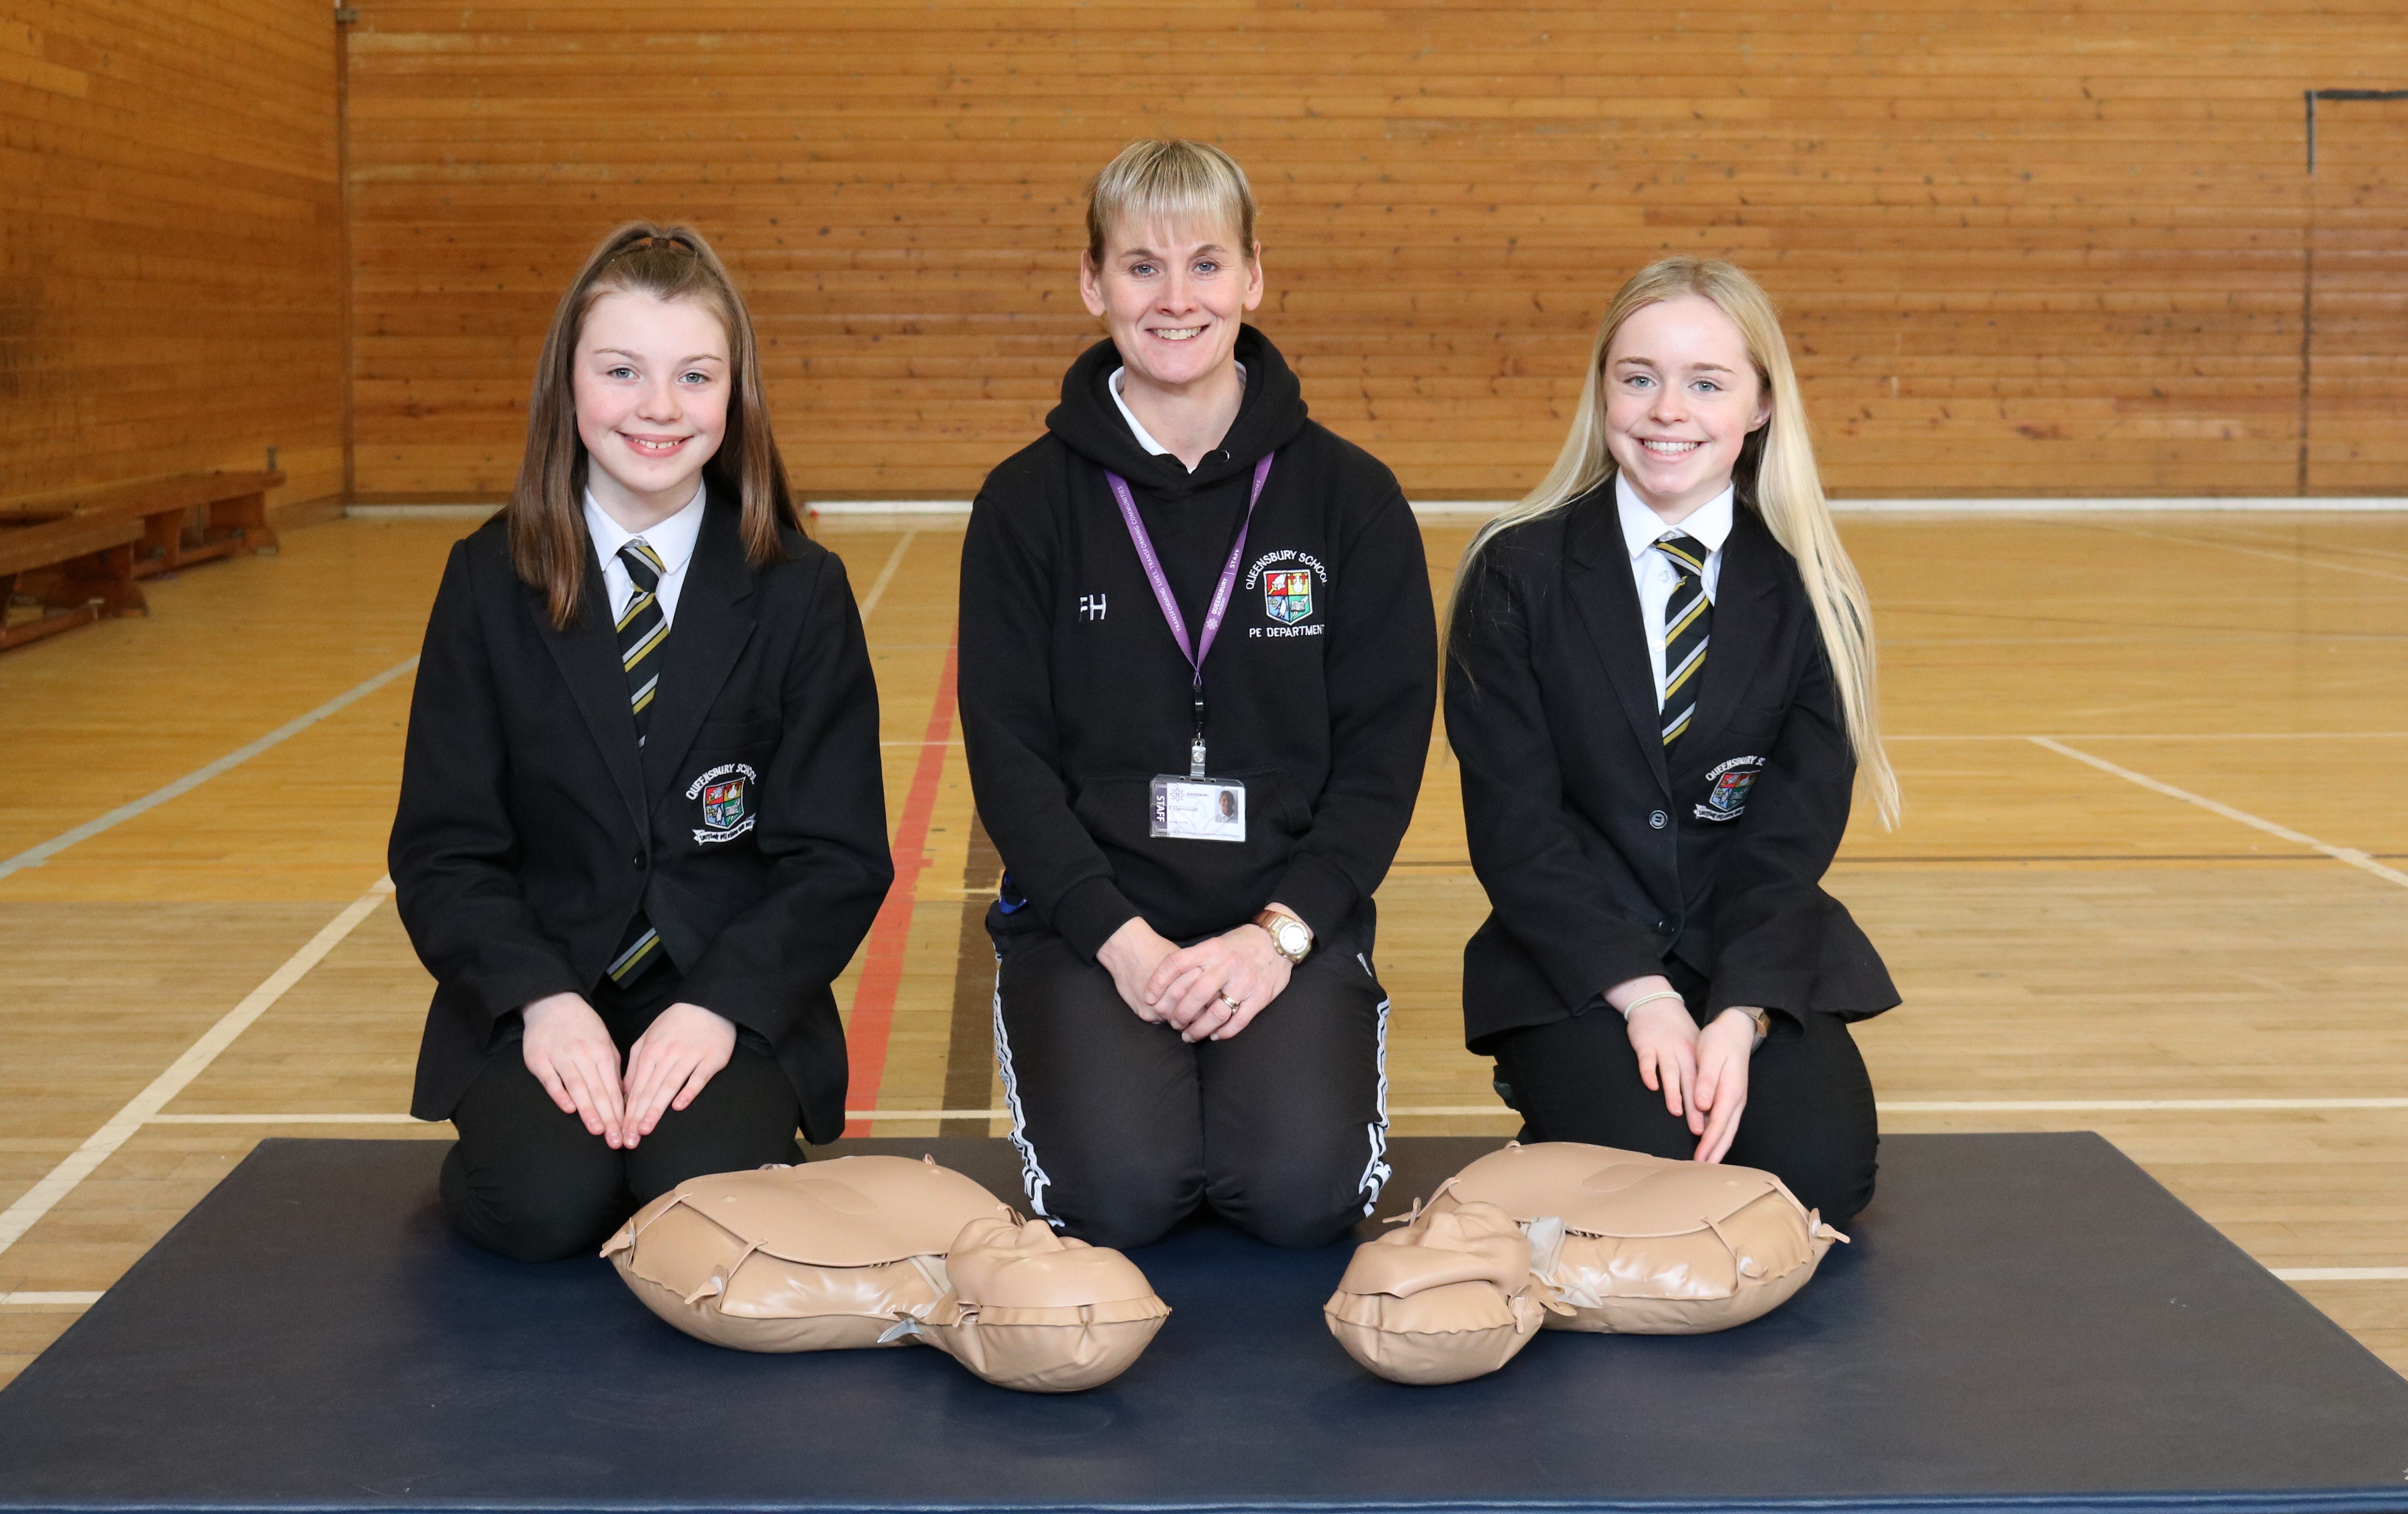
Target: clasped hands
{"type": "Point", "coordinates": [1703, 1074]}
{"type": "Point", "coordinates": [570, 1052]}
{"type": "Point", "coordinates": [1208, 991]}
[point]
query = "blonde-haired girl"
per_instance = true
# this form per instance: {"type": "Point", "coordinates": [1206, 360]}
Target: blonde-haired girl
{"type": "Point", "coordinates": [1660, 687]}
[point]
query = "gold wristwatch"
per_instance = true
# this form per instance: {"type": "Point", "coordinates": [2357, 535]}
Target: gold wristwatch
{"type": "Point", "coordinates": [1290, 936]}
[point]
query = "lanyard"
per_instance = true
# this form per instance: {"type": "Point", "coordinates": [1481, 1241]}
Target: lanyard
{"type": "Point", "coordinates": [1202, 648]}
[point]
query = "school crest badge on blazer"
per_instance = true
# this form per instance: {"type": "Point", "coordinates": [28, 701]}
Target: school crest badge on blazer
{"type": "Point", "coordinates": [721, 790]}
{"type": "Point", "coordinates": [1726, 789]}
{"type": "Point", "coordinates": [1287, 595]}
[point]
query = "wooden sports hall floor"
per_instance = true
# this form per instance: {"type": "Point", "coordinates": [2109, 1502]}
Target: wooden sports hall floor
{"type": "Point", "coordinates": [2153, 879]}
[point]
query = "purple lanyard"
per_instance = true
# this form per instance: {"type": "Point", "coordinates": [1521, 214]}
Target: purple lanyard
{"type": "Point", "coordinates": [1202, 648]}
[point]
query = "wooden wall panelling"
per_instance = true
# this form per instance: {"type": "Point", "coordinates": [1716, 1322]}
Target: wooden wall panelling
{"type": "Point", "coordinates": [2043, 249]}
{"type": "Point", "coordinates": [2357, 389]}
{"type": "Point", "coordinates": [168, 274]}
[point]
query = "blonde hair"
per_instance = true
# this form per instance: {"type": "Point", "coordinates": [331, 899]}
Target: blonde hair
{"type": "Point", "coordinates": [1775, 474]}
{"type": "Point", "coordinates": [1174, 181]}
{"type": "Point", "coordinates": [546, 516]}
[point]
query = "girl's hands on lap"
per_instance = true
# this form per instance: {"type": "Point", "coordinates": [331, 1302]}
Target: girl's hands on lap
{"type": "Point", "coordinates": [1665, 1038]}
{"type": "Point", "coordinates": [1723, 1049]}
{"type": "Point", "coordinates": [1703, 1074]}
{"type": "Point", "coordinates": [677, 1054]}
{"type": "Point", "coordinates": [1189, 986]}
{"type": "Point", "coordinates": [571, 1054]}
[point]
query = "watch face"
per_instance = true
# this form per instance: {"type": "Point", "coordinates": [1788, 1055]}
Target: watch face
{"type": "Point", "coordinates": [1292, 938]}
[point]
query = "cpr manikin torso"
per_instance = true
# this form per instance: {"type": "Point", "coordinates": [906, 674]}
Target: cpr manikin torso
{"type": "Point", "coordinates": [1643, 1245]}
{"type": "Point", "coordinates": [879, 1251]}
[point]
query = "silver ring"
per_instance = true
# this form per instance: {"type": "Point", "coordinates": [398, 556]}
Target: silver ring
{"type": "Point", "coordinates": [1233, 1005]}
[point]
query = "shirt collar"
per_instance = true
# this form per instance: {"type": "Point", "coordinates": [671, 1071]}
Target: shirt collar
{"type": "Point", "coordinates": [1643, 528]}
{"type": "Point", "coordinates": [1145, 437]}
{"type": "Point", "coordinates": [672, 541]}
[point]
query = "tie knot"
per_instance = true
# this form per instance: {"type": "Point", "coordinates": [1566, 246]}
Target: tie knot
{"type": "Point", "coordinates": [1687, 553]}
{"type": "Point", "coordinates": [643, 565]}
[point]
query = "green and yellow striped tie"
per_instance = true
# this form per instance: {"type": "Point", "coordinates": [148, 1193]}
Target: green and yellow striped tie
{"type": "Point", "coordinates": [643, 626]}
{"type": "Point", "coordinates": [1688, 616]}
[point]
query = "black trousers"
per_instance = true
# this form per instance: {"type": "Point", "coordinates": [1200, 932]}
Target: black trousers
{"type": "Point", "coordinates": [1124, 1129]}
{"type": "Point", "coordinates": [1808, 1118]}
{"type": "Point", "coordinates": [527, 1181]}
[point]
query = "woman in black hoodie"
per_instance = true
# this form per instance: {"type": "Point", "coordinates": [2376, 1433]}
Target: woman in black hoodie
{"type": "Point", "coordinates": [1197, 672]}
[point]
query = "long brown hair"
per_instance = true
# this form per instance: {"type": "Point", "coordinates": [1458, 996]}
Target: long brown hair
{"type": "Point", "coordinates": [1775, 476]}
{"type": "Point", "coordinates": [546, 514]}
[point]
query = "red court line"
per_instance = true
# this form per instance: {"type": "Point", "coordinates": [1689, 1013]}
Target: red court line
{"type": "Point", "coordinates": [882, 970]}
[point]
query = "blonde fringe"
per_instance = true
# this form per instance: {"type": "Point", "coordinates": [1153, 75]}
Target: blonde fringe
{"type": "Point", "coordinates": [1786, 492]}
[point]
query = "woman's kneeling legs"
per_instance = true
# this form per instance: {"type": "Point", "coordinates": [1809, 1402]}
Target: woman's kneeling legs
{"type": "Point", "coordinates": [1125, 1129]}
{"type": "Point", "coordinates": [1295, 1135]}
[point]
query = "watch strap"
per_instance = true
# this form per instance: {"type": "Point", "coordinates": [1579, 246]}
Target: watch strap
{"type": "Point", "coordinates": [1271, 920]}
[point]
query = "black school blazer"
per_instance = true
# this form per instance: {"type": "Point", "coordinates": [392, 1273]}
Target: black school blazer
{"type": "Point", "coordinates": [1602, 859]}
{"type": "Point", "coordinates": [531, 825]}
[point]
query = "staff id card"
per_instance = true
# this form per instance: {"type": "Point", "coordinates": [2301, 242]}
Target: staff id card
{"type": "Point", "coordinates": [1199, 808]}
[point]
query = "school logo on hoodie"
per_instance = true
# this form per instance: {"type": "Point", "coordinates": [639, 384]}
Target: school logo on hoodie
{"type": "Point", "coordinates": [1288, 596]}
{"type": "Point", "coordinates": [1286, 577]}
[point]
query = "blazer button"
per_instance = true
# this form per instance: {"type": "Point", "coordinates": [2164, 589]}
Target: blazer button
{"type": "Point", "coordinates": [1658, 819]}
{"type": "Point", "coordinates": [640, 863]}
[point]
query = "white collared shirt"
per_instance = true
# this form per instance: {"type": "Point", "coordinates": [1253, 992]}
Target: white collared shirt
{"type": "Point", "coordinates": [1137, 429]}
{"type": "Point", "coordinates": [671, 541]}
{"type": "Point", "coordinates": [1653, 573]}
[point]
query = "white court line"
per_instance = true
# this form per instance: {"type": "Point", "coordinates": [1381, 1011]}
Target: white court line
{"type": "Point", "coordinates": [2109, 1106]}
{"type": "Point", "coordinates": [2133, 504]}
{"type": "Point", "coordinates": [886, 575]}
{"type": "Point", "coordinates": [2340, 1274]}
{"type": "Point", "coordinates": [35, 856]}
{"type": "Point", "coordinates": [80, 1298]}
{"type": "Point", "coordinates": [2254, 552]}
{"type": "Point", "coordinates": [2163, 735]}
{"type": "Point", "coordinates": [37, 1201]}
{"type": "Point", "coordinates": [2349, 854]}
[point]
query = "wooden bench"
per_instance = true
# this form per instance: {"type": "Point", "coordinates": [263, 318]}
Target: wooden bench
{"type": "Point", "coordinates": [80, 553]}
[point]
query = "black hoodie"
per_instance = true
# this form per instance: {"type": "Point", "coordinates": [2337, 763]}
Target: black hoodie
{"type": "Point", "coordinates": [1074, 694]}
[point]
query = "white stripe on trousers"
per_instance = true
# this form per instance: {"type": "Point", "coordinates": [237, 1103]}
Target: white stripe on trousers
{"type": "Point", "coordinates": [1032, 1180]}
{"type": "Point", "coordinates": [1376, 1171]}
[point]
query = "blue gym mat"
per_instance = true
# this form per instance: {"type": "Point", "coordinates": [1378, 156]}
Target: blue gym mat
{"type": "Point", "coordinates": [2025, 1324]}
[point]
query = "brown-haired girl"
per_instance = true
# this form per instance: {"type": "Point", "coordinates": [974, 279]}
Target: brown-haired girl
{"type": "Point", "coordinates": [1660, 686]}
{"type": "Point", "coordinates": [642, 825]}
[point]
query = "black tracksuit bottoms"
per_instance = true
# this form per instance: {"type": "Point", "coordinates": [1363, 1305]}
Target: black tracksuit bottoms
{"type": "Point", "coordinates": [1124, 1129]}
{"type": "Point", "coordinates": [1808, 1118]}
{"type": "Point", "coordinates": [527, 1181]}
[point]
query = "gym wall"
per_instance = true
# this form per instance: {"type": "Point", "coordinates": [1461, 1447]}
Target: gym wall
{"type": "Point", "coordinates": [2022, 247]}
{"type": "Point", "coordinates": [170, 242]}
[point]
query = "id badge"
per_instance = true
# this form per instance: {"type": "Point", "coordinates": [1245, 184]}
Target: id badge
{"type": "Point", "coordinates": [1199, 808]}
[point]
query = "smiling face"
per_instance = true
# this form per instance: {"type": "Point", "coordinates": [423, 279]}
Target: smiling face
{"type": "Point", "coordinates": [1681, 397]}
{"type": "Point", "coordinates": [1172, 297]}
{"type": "Point", "coordinates": [651, 379]}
